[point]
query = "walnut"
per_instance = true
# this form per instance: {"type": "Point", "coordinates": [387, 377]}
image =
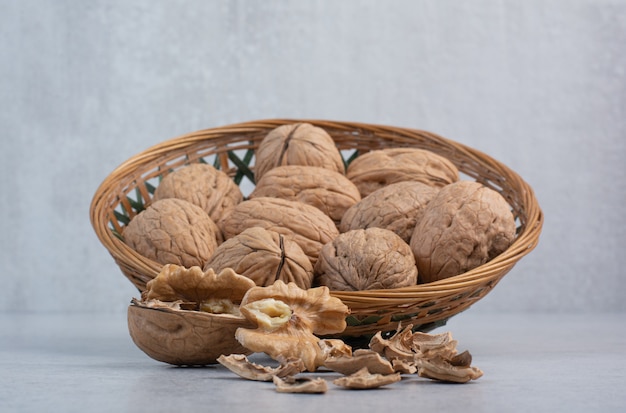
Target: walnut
{"type": "Point", "coordinates": [325, 189]}
{"type": "Point", "coordinates": [396, 207]}
{"type": "Point", "coordinates": [173, 231]}
{"type": "Point", "coordinates": [288, 319]}
{"type": "Point", "coordinates": [309, 227]}
{"type": "Point", "coordinates": [382, 167]}
{"type": "Point", "coordinates": [465, 225]}
{"type": "Point", "coordinates": [297, 144]}
{"type": "Point", "coordinates": [366, 259]}
{"type": "Point", "coordinates": [264, 256]}
{"type": "Point", "coordinates": [364, 379]}
{"type": "Point", "coordinates": [202, 185]}
{"type": "Point", "coordinates": [176, 320]}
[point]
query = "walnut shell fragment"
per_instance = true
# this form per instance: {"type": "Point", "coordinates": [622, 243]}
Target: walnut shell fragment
{"type": "Point", "coordinates": [173, 231]}
{"type": "Point", "coordinates": [184, 338]}
{"type": "Point", "coordinates": [309, 227]}
{"type": "Point", "coordinates": [244, 368]}
{"type": "Point", "coordinates": [264, 256]}
{"type": "Point", "coordinates": [328, 190]}
{"type": "Point", "coordinates": [363, 379]}
{"type": "Point", "coordinates": [379, 168]}
{"type": "Point", "coordinates": [202, 185]}
{"type": "Point", "coordinates": [465, 225]}
{"type": "Point", "coordinates": [397, 207]}
{"type": "Point", "coordinates": [361, 358]}
{"type": "Point", "coordinates": [438, 368]}
{"type": "Point", "coordinates": [366, 259]}
{"type": "Point", "coordinates": [288, 319]}
{"type": "Point", "coordinates": [297, 144]}
{"type": "Point", "coordinates": [300, 385]}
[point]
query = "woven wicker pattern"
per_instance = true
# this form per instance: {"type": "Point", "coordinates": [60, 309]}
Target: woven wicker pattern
{"type": "Point", "coordinates": [128, 190]}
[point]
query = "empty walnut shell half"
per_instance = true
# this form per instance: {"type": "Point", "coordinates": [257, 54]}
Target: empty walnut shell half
{"type": "Point", "coordinates": [328, 190]}
{"type": "Point", "coordinates": [173, 231]}
{"type": "Point", "coordinates": [309, 227]}
{"type": "Point", "coordinates": [202, 185]}
{"type": "Point", "coordinates": [396, 207]}
{"type": "Point", "coordinates": [264, 256]}
{"type": "Point", "coordinates": [465, 225]}
{"type": "Point", "coordinates": [376, 169]}
{"type": "Point", "coordinates": [366, 259]}
{"type": "Point", "coordinates": [184, 338]}
{"type": "Point", "coordinates": [297, 144]}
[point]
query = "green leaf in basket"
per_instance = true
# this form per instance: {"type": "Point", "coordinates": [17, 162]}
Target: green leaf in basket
{"type": "Point", "coordinates": [352, 321]}
{"type": "Point", "coordinates": [352, 157]}
{"type": "Point", "coordinates": [242, 166]}
{"type": "Point", "coordinates": [122, 218]}
{"type": "Point", "coordinates": [151, 188]}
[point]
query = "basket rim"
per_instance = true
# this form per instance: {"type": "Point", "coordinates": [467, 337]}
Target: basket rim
{"type": "Point", "coordinates": [523, 244]}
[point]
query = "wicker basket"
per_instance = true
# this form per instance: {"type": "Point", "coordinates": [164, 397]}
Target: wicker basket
{"type": "Point", "coordinates": [128, 190]}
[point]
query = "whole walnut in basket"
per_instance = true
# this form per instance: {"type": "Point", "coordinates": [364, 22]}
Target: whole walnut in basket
{"type": "Point", "coordinates": [309, 227]}
{"type": "Point", "coordinates": [202, 185]}
{"type": "Point", "coordinates": [396, 207]}
{"type": "Point", "coordinates": [366, 259]}
{"type": "Point", "coordinates": [465, 225]}
{"type": "Point", "coordinates": [375, 169]}
{"type": "Point", "coordinates": [264, 256]}
{"type": "Point", "coordinates": [329, 191]}
{"type": "Point", "coordinates": [173, 231]}
{"type": "Point", "coordinates": [297, 144]}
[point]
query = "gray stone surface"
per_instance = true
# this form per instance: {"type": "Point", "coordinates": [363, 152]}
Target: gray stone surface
{"type": "Point", "coordinates": [531, 362]}
{"type": "Point", "coordinates": [84, 85]}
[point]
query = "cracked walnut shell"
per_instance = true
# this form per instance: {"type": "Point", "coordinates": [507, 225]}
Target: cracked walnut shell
{"type": "Point", "coordinates": [202, 185]}
{"type": "Point", "coordinates": [376, 169]}
{"type": "Point", "coordinates": [366, 259]}
{"type": "Point", "coordinates": [328, 190]}
{"type": "Point", "coordinates": [173, 231]}
{"type": "Point", "coordinates": [264, 256]}
{"type": "Point", "coordinates": [396, 207]}
{"type": "Point", "coordinates": [297, 144]}
{"type": "Point", "coordinates": [309, 227]}
{"type": "Point", "coordinates": [465, 225]}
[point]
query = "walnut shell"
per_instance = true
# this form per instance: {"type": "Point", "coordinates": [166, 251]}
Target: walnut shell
{"type": "Point", "coordinates": [264, 256]}
{"type": "Point", "coordinates": [202, 185]}
{"type": "Point", "coordinates": [309, 227]}
{"type": "Point", "coordinates": [382, 167]}
{"type": "Point", "coordinates": [465, 225]}
{"type": "Point", "coordinates": [173, 231]}
{"type": "Point", "coordinates": [366, 259]}
{"type": "Point", "coordinates": [181, 337]}
{"type": "Point", "coordinates": [297, 144]}
{"type": "Point", "coordinates": [396, 207]}
{"type": "Point", "coordinates": [329, 191]}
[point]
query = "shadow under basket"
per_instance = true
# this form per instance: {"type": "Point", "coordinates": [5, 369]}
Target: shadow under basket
{"type": "Point", "coordinates": [129, 188]}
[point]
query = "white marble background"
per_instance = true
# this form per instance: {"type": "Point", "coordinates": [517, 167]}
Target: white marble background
{"type": "Point", "coordinates": [539, 85]}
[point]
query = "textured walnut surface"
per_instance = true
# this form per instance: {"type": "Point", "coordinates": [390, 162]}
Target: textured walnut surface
{"type": "Point", "coordinates": [465, 225]}
{"type": "Point", "coordinates": [328, 190]}
{"type": "Point", "coordinates": [264, 256]}
{"type": "Point", "coordinates": [309, 227]}
{"type": "Point", "coordinates": [173, 231]}
{"type": "Point", "coordinates": [396, 207]}
{"type": "Point", "coordinates": [202, 185]}
{"type": "Point", "coordinates": [297, 144]}
{"type": "Point", "coordinates": [382, 167]}
{"type": "Point", "coordinates": [366, 259]}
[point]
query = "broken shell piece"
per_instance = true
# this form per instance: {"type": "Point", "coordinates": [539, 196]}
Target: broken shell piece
{"type": "Point", "coordinates": [363, 379]}
{"type": "Point", "coordinates": [430, 345]}
{"type": "Point", "coordinates": [360, 358]}
{"type": "Point", "coordinates": [334, 348]}
{"type": "Point", "coordinates": [241, 366]}
{"type": "Point", "coordinates": [403, 367]}
{"type": "Point", "coordinates": [300, 385]}
{"type": "Point", "coordinates": [437, 368]}
{"type": "Point", "coordinates": [395, 348]}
